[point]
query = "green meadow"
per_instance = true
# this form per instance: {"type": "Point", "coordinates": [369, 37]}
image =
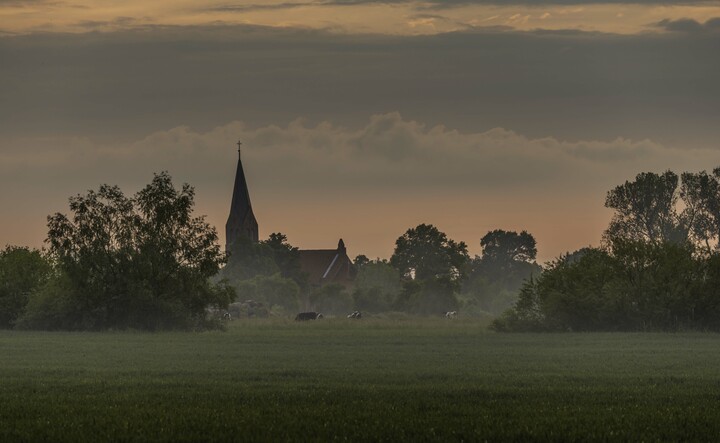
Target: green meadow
{"type": "Point", "coordinates": [368, 380]}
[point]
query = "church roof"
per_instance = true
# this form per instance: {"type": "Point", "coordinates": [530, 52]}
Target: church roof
{"type": "Point", "coordinates": [326, 265]}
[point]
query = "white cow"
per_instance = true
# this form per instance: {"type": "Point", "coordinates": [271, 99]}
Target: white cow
{"type": "Point", "coordinates": [451, 314]}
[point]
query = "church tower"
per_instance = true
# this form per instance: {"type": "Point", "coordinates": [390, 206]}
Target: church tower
{"type": "Point", "coordinates": [241, 222]}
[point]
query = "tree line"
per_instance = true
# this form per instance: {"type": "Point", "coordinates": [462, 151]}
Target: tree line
{"type": "Point", "coordinates": [145, 262]}
{"type": "Point", "coordinates": [428, 274]}
{"type": "Point", "coordinates": [658, 267]}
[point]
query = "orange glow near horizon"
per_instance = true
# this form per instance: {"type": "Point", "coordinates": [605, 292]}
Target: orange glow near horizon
{"type": "Point", "coordinates": [411, 18]}
{"type": "Point", "coordinates": [371, 226]}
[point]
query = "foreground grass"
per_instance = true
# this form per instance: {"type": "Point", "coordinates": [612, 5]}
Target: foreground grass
{"type": "Point", "coordinates": [366, 380]}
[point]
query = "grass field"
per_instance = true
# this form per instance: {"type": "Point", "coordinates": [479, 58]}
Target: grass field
{"type": "Point", "coordinates": [413, 380]}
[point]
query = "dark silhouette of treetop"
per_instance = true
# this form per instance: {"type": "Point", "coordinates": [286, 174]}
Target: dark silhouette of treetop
{"type": "Point", "coordinates": [508, 246]}
{"type": "Point", "coordinates": [645, 209]}
{"type": "Point", "coordinates": [424, 252]}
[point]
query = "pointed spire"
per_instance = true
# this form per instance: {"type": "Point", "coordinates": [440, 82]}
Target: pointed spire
{"type": "Point", "coordinates": [241, 221]}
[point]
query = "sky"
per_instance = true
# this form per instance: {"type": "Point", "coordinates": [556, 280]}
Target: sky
{"type": "Point", "coordinates": [359, 118]}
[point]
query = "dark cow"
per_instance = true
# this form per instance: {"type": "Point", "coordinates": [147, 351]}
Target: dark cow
{"type": "Point", "coordinates": [308, 316]}
{"type": "Point", "coordinates": [356, 315]}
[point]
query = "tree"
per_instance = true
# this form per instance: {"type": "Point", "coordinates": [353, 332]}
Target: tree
{"type": "Point", "coordinates": [494, 279]}
{"type": "Point", "coordinates": [651, 274]}
{"type": "Point", "coordinates": [377, 286]}
{"type": "Point", "coordinates": [248, 259]}
{"type": "Point", "coordinates": [645, 209]}
{"type": "Point", "coordinates": [700, 193]}
{"type": "Point", "coordinates": [576, 295]}
{"type": "Point", "coordinates": [663, 282]}
{"type": "Point", "coordinates": [285, 256]}
{"type": "Point", "coordinates": [360, 261]}
{"type": "Point", "coordinates": [22, 270]}
{"type": "Point", "coordinates": [508, 246]}
{"type": "Point", "coordinates": [636, 286]}
{"type": "Point", "coordinates": [141, 262]}
{"type": "Point", "coordinates": [267, 271]}
{"type": "Point", "coordinates": [424, 252]}
{"type": "Point", "coordinates": [435, 297]}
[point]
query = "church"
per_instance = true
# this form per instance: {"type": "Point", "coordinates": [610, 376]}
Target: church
{"type": "Point", "coordinates": [322, 266]}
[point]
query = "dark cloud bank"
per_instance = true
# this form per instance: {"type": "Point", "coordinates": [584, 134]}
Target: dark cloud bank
{"type": "Point", "coordinates": [566, 84]}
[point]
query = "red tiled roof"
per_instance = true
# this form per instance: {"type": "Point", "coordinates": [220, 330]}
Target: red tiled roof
{"type": "Point", "coordinates": [326, 266]}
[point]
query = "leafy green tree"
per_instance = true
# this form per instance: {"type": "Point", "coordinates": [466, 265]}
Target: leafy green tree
{"type": "Point", "coordinates": [409, 293]}
{"type": "Point", "coordinates": [574, 295]}
{"type": "Point", "coordinates": [435, 297]}
{"type": "Point", "coordinates": [705, 312]}
{"type": "Point", "coordinates": [646, 210]}
{"type": "Point", "coordinates": [508, 246]}
{"type": "Point", "coordinates": [424, 252]}
{"type": "Point", "coordinates": [285, 256]}
{"type": "Point", "coordinates": [700, 193]}
{"type": "Point", "coordinates": [495, 278]}
{"type": "Point", "coordinates": [636, 286]}
{"type": "Point", "coordinates": [663, 282]}
{"type": "Point", "coordinates": [248, 259]}
{"type": "Point", "coordinates": [526, 315]}
{"type": "Point", "coordinates": [377, 286]}
{"type": "Point", "coordinates": [22, 270]}
{"type": "Point", "coordinates": [267, 271]}
{"type": "Point", "coordinates": [659, 269]}
{"type": "Point", "coordinates": [360, 261]}
{"type": "Point", "coordinates": [142, 262]}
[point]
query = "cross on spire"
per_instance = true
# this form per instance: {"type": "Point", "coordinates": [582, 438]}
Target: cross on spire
{"type": "Point", "coordinates": [239, 143]}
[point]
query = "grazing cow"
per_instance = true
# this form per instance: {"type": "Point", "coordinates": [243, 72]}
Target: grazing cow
{"type": "Point", "coordinates": [308, 316]}
{"type": "Point", "coordinates": [356, 315]}
{"type": "Point", "coordinates": [451, 314]}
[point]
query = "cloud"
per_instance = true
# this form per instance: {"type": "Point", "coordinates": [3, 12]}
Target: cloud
{"type": "Point", "coordinates": [688, 25]}
{"type": "Point", "coordinates": [318, 182]}
{"type": "Point", "coordinates": [302, 157]}
{"type": "Point", "coordinates": [116, 22]}
{"type": "Point", "coordinates": [21, 3]}
{"type": "Point", "coordinates": [260, 6]}
{"type": "Point", "coordinates": [446, 4]}
{"type": "Point", "coordinates": [571, 84]}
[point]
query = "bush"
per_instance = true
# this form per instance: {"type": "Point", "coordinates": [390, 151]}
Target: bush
{"type": "Point", "coordinates": [377, 286]}
{"type": "Point", "coordinates": [634, 286]}
{"type": "Point", "coordinates": [22, 270]}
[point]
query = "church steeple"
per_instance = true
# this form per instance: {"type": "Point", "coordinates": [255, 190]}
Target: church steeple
{"type": "Point", "coordinates": [241, 222]}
